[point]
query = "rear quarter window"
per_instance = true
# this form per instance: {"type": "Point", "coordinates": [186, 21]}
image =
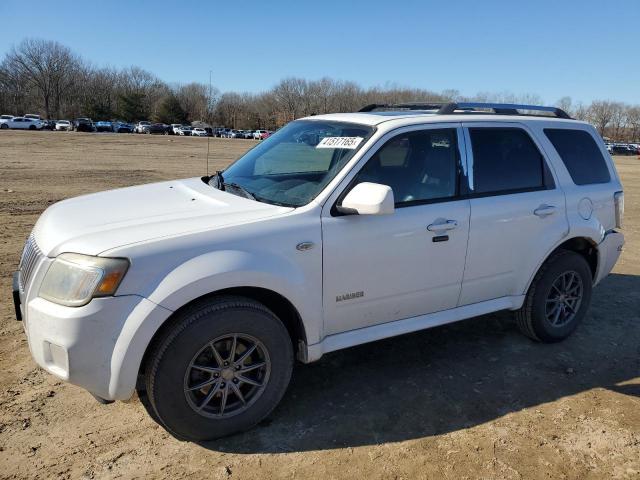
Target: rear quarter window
{"type": "Point", "coordinates": [580, 154]}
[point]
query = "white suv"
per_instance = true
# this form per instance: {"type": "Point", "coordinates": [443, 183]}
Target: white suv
{"type": "Point", "coordinates": [342, 229]}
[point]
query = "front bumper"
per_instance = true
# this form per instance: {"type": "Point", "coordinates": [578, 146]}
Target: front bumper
{"type": "Point", "coordinates": [99, 346]}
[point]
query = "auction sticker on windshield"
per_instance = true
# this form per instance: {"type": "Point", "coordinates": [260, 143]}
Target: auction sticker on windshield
{"type": "Point", "coordinates": [350, 143]}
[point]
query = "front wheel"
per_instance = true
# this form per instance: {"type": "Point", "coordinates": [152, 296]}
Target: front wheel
{"type": "Point", "coordinates": [221, 369]}
{"type": "Point", "coordinates": [558, 298]}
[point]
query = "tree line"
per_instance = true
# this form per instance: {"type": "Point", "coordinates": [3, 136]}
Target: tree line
{"type": "Point", "coordinates": [47, 78]}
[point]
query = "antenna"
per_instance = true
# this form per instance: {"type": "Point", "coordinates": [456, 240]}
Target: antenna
{"type": "Point", "coordinates": [209, 115]}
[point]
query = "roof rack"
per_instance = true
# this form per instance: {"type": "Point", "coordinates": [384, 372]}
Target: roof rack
{"type": "Point", "coordinates": [468, 107]}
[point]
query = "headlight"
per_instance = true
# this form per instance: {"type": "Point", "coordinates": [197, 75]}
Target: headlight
{"type": "Point", "coordinates": [74, 279]}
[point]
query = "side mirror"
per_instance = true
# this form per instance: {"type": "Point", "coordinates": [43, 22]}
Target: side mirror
{"type": "Point", "coordinates": [368, 199]}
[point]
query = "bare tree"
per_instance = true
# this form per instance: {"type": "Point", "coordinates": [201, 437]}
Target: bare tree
{"type": "Point", "coordinates": [601, 113]}
{"type": "Point", "coordinates": [581, 112]}
{"type": "Point", "coordinates": [229, 107]}
{"type": "Point", "coordinates": [618, 119]}
{"type": "Point", "coordinates": [290, 95]}
{"type": "Point", "coordinates": [633, 119]}
{"type": "Point", "coordinates": [48, 66]}
{"type": "Point", "coordinates": [194, 99]}
{"type": "Point", "coordinates": [46, 77]}
{"type": "Point", "coordinates": [566, 104]}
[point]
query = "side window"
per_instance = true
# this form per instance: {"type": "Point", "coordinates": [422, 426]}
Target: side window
{"type": "Point", "coordinates": [505, 160]}
{"type": "Point", "coordinates": [580, 154]}
{"type": "Point", "coordinates": [419, 166]}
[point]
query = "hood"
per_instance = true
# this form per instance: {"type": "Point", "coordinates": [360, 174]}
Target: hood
{"type": "Point", "coordinates": [93, 223]}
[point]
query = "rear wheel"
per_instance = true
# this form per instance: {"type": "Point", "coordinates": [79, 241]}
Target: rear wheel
{"type": "Point", "coordinates": [558, 298]}
{"type": "Point", "coordinates": [222, 368]}
{"type": "Point", "coordinates": [32, 127]}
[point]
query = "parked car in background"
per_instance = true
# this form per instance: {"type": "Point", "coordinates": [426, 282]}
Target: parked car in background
{"type": "Point", "coordinates": [64, 125]}
{"type": "Point", "coordinates": [175, 128]}
{"type": "Point", "coordinates": [123, 127]}
{"type": "Point", "coordinates": [185, 130]}
{"type": "Point", "coordinates": [623, 149]}
{"type": "Point", "coordinates": [247, 134]}
{"type": "Point", "coordinates": [22, 123]}
{"type": "Point", "coordinates": [257, 134]}
{"type": "Point", "coordinates": [234, 134]}
{"type": "Point", "coordinates": [225, 133]}
{"type": "Point", "coordinates": [4, 120]}
{"type": "Point", "coordinates": [198, 132]}
{"type": "Point", "coordinates": [83, 124]}
{"type": "Point", "coordinates": [140, 126]}
{"type": "Point", "coordinates": [156, 129]}
{"type": "Point", "coordinates": [48, 124]}
{"type": "Point", "coordinates": [103, 126]}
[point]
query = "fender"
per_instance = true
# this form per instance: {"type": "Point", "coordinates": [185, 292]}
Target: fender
{"type": "Point", "coordinates": [223, 269]}
{"type": "Point", "coordinates": [199, 276]}
{"type": "Point", "coordinates": [594, 233]}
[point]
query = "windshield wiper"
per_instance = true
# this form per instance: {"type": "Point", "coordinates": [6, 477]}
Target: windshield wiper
{"type": "Point", "coordinates": [216, 180]}
{"type": "Point", "coordinates": [239, 188]}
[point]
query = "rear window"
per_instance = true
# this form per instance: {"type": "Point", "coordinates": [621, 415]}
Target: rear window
{"type": "Point", "coordinates": [505, 160]}
{"type": "Point", "coordinates": [580, 154]}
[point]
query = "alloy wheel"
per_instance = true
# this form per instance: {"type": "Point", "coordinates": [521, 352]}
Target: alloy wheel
{"type": "Point", "coordinates": [564, 299]}
{"type": "Point", "coordinates": [227, 376]}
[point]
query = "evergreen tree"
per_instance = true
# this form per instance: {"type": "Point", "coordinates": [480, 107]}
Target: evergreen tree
{"type": "Point", "coordinates": [132, 107]}
{"type": "Point", "coordinates": [171, 111]}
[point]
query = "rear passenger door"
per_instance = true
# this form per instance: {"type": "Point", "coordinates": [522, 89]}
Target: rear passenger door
{"type": "Point", "coordinates": [517, 210]}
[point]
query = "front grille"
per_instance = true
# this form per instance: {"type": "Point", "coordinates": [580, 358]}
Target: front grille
{"type": "Point", "coordinates": [28, 262]}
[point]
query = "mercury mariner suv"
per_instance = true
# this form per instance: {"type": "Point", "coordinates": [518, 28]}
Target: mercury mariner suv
{"type": "Point", "coordinates": [337, 230]}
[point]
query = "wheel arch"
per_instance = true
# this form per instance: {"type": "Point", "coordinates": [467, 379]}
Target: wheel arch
{"type": "Point", "coordinates": [282, 307]}
{"type": "Point", "coordinates": [586, 246]}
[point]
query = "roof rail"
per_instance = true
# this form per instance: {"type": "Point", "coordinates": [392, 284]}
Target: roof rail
{"type": "Point", "coordinates": [468, 107]}
{"type": "Point", "coordinates": [403, 106]}
{"type": "Point", "coordinates": [500, 108]}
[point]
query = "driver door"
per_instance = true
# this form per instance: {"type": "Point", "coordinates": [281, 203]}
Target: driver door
{"type": "Point", "coordinates": [382, 268]}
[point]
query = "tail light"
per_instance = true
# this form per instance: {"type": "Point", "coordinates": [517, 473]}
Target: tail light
{"type": "Point", "coordinates": [618, 199]}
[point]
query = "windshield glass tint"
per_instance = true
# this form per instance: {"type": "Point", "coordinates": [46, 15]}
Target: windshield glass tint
{"type": "Point", "coordinates": [293, 165]}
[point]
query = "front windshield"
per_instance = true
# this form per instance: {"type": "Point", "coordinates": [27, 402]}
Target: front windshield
{"type": "Point", "coordinates": [294, 164]}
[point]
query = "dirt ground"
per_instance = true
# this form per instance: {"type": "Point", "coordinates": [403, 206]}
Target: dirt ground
{"type": "Point", "coordinates": [470, 400]}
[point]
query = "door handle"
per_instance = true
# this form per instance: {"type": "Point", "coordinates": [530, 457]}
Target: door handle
{"type": "Point", "coordinates": [544, 211]}
{"type": "Point", "coordinates": [442, 225]}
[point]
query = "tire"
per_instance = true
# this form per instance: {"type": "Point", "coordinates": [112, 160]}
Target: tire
{"type": "Point", "coordinates": [170, 374]}
{"type": "Point", "coordinates": [4, 126]}
{"type": "Point", "coordinates": [32, 127]}
{"type": "Point", "coordinates": [537, 318]}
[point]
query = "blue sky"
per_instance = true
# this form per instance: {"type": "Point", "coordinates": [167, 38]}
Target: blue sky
{"type": "Point", "coordinates": [586, 49]}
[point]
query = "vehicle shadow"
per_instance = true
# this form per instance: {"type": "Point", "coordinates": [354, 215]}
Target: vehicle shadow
{"type": "Point", "coordinates": [450, 378]}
